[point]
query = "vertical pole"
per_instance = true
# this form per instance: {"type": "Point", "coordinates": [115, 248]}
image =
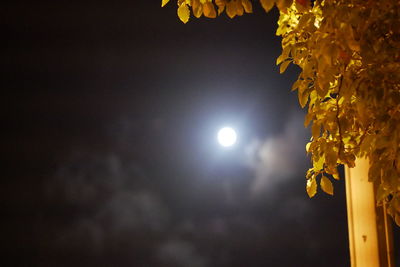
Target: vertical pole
{"type": "Point", "coordinates": [370, 235]}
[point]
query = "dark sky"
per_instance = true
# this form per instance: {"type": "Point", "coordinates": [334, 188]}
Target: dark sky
{"type": "Point", "coordinates": [110, 116]}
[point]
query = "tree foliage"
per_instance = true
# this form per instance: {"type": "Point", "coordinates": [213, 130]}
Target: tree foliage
{"type": "Point", "coordinates": [349, 55]}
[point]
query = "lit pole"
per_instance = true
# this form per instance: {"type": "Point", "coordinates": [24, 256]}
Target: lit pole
{"type": "Point", "coordinates": [370, 232]}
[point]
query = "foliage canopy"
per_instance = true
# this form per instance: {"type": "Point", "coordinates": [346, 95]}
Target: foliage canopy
{"type": "Point", "coordinates": [349, 55]}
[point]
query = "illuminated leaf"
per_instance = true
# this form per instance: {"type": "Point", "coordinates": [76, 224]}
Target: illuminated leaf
{"type": "Point", "coordinates": [197, 8]}
{"type": "Point", "coordinates": [308, 147]}
{"type": "Point", "coordinates": [248, 7]}
{"type": "Point", "coordinates": [283, 66]}
{"type": "Point", "coordinates": [231, 9]}
{"type": "Point", "coordinates": [326, 185]}
{"type": "Point", "coordinates": [303, 98]}
{"type": "Point", "coordinates": [267, 4]}
{"type": "Point", "coordinates": [183, 13]}
{"type": "Point", "coordinates": [283, 5]}
{"type": "Point", "coordinates": [209, 10]}
{"type": "Point", "coordinates": [221, 5]}
{"type": "Point", "coordinates": [335, 175]}
{"type": "Point", "coordinates": [308, 119]}
{"type": "Point", "coordinates": [331, 156]}
{"type": "Point", "coordinates": [319, 163]}
{"type": "Point", "coordinates": [164, 2]}
{"type": "Point", "coordinates": [284, 55]}
{"type": "Point", "coordinates": [311, 187]}
{"type": "Point", "coordinates": [303, 2]}
{"type": "Point", "coordinates": [239, 8]}
{"type": "Point", "coordinates": [315, 130]}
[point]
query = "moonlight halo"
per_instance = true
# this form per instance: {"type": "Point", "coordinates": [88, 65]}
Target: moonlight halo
{"type": "Point", "coordinates": [227, 136]}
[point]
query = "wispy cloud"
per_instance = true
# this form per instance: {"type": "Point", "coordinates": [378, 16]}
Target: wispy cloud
{"type": "Point", "coordinates": [179, 253]}
{"type": "Point", "coordinates": [109, 202]}
{"type": "Point", "coordinates": [278, 158]}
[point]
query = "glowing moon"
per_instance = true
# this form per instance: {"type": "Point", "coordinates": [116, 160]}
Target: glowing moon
{"type": "Point", "coordinates": [227, 137]}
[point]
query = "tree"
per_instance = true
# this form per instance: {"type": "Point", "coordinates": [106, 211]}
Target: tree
{"type": "Point", "coordinates": [349, 55]}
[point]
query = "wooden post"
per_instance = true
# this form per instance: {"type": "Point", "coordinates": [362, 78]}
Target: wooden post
{"type": "Point", "coordinates": [370, 232]}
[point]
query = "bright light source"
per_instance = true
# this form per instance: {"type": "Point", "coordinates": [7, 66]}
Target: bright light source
{"type": "Point", "coordinates": [227, 137]}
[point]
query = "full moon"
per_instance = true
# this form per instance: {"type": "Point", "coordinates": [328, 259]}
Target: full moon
{"type": "Point", "coordinates": [227, 137]}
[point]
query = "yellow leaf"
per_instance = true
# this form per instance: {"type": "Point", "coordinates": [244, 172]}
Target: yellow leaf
{"type": "Point", "coordinates": [308, 147]}
{"type": "Point", "coordinates": [319, 163]}
{"type": "Point", "coordinates": [164, 2]}
{"type": "Point", "coordinates": [231, 9]}
{"type": "Point", "coordinates": [315, 130]}
{"type": "Point", "coordinates": [267, 4]}
{"type": "Point", "coordinates": [184, 13]}
{"type": "Point", "coordinates": [284, 55]}
{"type": "Point", "coordinates": [313, 97]}
{"type": "Point", "coordinates": [197, 8]}
{"type": "Point", "coordinates": [303, 5]}
{"type": "Point", "coordinates": [326, 185]}
{"type": "Point", "coordinates": [239, 8]}
{"type": "Point", "coordinates": [308, 119]}
{"type": "Point", "coordinates": [397, 219]}
{"type": "Point", "coordinates": [284, 66]}
{"type": "Point", "coordinates": [303, 97]}
{"type": "Point", "coordinates": [336, 176]}
{"type": "Point", "coordinates": [296, 85]}
{"type": "Point", "coordinates": [280, 59]}
{"type": "Point", "coordinates": [209, 10]}
{"type": "Point", "coordinates": [248, 7]}
{"type": "Point", "coordinates": [311, 187]}
{"type": "Point", "coordinates": [331, 156]}
{"type": "Point", "coordinates": [283, 5]}
{"type": "Point", "coordinates": [221, 5]}
{"type": "Point", "coordinates": [309, 173]}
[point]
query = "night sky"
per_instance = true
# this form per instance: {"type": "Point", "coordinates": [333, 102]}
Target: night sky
{"type": "Point", "coordinates": [109, 148]}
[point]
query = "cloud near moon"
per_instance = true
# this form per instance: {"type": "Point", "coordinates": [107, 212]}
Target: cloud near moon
{"type": "Point", "coordinates": [278, 158]}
